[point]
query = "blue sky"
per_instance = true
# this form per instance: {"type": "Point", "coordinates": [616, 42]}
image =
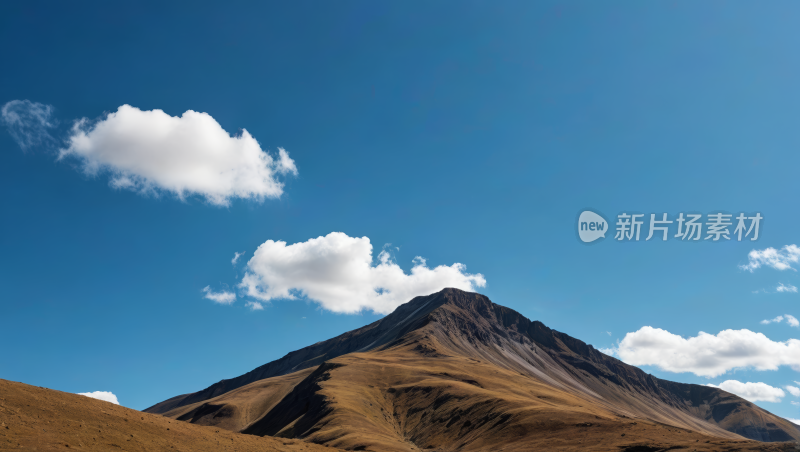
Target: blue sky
{"type": "Point", "coordinates": [470, 133]}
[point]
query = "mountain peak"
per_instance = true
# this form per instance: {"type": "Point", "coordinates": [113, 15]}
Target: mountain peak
{"type": "Point", "coordinates": [454, 326]}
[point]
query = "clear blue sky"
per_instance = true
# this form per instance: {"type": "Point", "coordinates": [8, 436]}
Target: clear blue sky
{"type": "Point", "coordinates": [470, 132]}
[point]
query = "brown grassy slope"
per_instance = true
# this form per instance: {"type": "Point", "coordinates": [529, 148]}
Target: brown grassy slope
{"type": "Point", "coordinates": [237, 409]}
{"type": "Point", "coordinates": [33, 418]}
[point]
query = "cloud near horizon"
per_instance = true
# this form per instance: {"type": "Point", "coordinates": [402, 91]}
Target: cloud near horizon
{"type": "Point", "coordinates": [707, 355]}
{"type": "Point", "coordinates": [336, 271]}
{"type": "Point", "coordinates": [781, 259]}
{"type": "Point", "coordinates": [101, 395]}
{"type": "Point", "coordinates": [754, 392]}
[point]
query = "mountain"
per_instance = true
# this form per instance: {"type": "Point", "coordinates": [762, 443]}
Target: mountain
{"type": "Point", "coordinates": [39, 419]}
{"type": "Point", "coordinates": [454, 371]}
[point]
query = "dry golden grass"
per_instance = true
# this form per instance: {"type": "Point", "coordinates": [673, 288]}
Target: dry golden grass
{"type": "Point", "coordinates": [37, 419]}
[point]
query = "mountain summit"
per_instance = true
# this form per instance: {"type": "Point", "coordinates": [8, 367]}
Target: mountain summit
{"type": "Point", "coordinates": [454, 371]}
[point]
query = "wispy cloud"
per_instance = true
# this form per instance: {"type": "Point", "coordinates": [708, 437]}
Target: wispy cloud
{"type": "Point", "coordinates": [223, 297]}
{"type": "Point", "coordinates": [781, 259]}
{"type": "Point", "coordinates": [790, 319]}
{"type": "Point", "coordinates": [29, 123]}
{"type": "Point", "coordinates": [786, 288]}
{"type": "Point", "coordinates": [236, 256]}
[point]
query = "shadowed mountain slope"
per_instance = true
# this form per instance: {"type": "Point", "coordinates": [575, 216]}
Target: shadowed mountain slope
{"type": "Point", "coordinates": [454, 371]}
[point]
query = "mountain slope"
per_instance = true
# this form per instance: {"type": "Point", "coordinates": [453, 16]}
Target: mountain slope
{"type": "Point", "coordinates": [33, 418]}
{"type": "Point", "coordinates": [453, 370]}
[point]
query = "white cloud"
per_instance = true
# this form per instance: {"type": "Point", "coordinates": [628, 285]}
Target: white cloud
{"type": "Point", "coordinates": [793, 421]}
{"type": "Point", "coordinates": [706, 354]}
{"type": "Point", "coordinates": [778, 259]}
{"type": "Point", "coordinates": [786, 288]}
{"type": "Point", "coordinates": [236, 256]}
{"type": "Point", "coordinates": [101, 395]}
{"type": "Point", "coordinates": [28, 122]}
{"type": "Point", "coordinates": [790, 319]}
{"type": "Point", "coordinates": [255, 306]}
{"type": "Point", "coordinates": [151, 151]}
{"type": "Point", "coordinates": [337, 272]}
{"type": "Point", "coordinates": [223, 297]}
{"type": "Point", "coordinates": [793, 390]}
{"type": "Point", "coordinates": [611, 351]}
{"type": "Point", "coordinates": [608, 332]}
{"type": "Point", "coordinates": [754, 392]}
{"type": "Point", "coordinates": [795, 403]}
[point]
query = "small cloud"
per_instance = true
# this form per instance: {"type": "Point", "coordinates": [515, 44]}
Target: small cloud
{"type": "Point", "coordinates": [793, 421]}
{"type": "Point", "coordinates": [790, 319]}
{"type": "Point", "coordinates": [236, 256]}
{"type": "Point", "coordinates": [778, 319]}
{"type": "Point", "coordinates": [223, 297]}
{"type": "Point", "coordinates": [101, 395]}
{"type": "Point", "coordinates": [786, 288]}
{"type": "Point", "coordinates": [611, 351]}
{"type": "Point", "coordinates": [608, 332]}
{"type": "Point", "coordinates": [795, 403]}
{"type": "Point", "coordinates": [793, 390]}
{"type": "Point", "coordinates": [781, 259]}
{"type": "Point", "coordinates": [255, 306]}
{"type": "Point", "coordinates": [754, 392]}
{"type": "Point", "coordinates": [29, 123]}
{"type": "Point", "coordinates": [285, 164]}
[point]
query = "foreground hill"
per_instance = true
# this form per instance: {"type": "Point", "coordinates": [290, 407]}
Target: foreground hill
{"type": "Point", "coordinates": [33, 418]}
{"type": "Point", "coordinates": [454, 371]}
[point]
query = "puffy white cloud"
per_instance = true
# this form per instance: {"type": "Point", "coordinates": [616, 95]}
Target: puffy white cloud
{"type": "Point", "coordinates": [101, 395]}
{"type": "Point", "coordinates": [790, 319]}
{"type": "Point", "coordinates": [793, 390]}
{"type": "Point", "coordinates": [707, 354]}
{"type": "Point", "coordinates": [336, 271]}
{"type": "Point", "coordinates": [786, 288]}
{"type": "Point", "coordinates": [223, 297]}
{"type": "Point", "coordinates": [793, 421]}
{"type": "Point", "coordinates": [754, 392]}
{"type": "Point", "coordinates": [29, 123]}
{"type": "Point", "coordinates": [151, 151]}
{"type": "Point", "coordinates": [778, 259]}
{"type": "Point", "coordinates": [236, 256]}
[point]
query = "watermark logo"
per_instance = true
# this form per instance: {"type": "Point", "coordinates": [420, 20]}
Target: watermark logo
{"type": "Point", "coordinates": [591, 226]}
{"type": "Point", "coordinates": [688, 227]}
